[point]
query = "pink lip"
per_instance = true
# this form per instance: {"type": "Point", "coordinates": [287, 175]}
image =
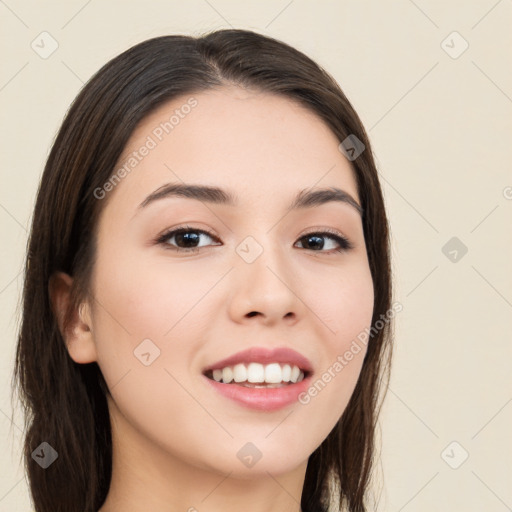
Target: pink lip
{"type": "Point", "coordinates": [263, 399]}
{"type": "Point", "coordinates": [263, 355]}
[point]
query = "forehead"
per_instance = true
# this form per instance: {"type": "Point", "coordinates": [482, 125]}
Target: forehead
{"type": "Point", "coordinates": [260, 145]}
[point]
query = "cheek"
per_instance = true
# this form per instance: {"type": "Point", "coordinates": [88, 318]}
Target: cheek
{"type": "Point", "coordinates": [150, 299]}
{"type": "Point", "coordinates": [345, 306]}
{"type": "Point", "coordinates": [147, 312]}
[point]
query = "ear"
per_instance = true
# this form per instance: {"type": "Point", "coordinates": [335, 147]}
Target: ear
{"type": "Point", "coordinates": [78, 334]}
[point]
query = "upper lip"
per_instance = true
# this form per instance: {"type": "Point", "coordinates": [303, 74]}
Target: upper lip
{"type": "Point", "coordinates": [264, 355]}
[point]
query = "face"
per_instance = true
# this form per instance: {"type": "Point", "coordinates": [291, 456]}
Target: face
{"type": "Point", "coordinates": [247, 273]}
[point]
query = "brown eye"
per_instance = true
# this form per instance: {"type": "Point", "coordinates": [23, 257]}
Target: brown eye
{"type": "Point", "coordinates": [185, 239]}
{"type": "Point", "coordinates": [316, 242]}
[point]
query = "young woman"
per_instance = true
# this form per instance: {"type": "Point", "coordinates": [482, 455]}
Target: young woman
{"type": "Point", "coordinates": [207, 303]}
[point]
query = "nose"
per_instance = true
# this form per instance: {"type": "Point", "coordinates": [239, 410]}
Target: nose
{"type": "Point", "coordinates": [265, 291]}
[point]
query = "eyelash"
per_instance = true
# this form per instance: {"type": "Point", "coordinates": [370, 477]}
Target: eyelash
{"type": "Point", "coordinates": [345, 244]}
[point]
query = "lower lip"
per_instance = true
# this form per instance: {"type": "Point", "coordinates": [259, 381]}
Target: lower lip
{"type": "Point", "coordinates": [262, 399]}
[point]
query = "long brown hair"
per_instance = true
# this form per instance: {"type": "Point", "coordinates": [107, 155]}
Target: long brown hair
{"type": "Point", "coordinates": [65, 402]}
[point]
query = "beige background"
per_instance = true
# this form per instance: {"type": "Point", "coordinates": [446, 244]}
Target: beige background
{"type": "Point", "coordinates": [441, 129]}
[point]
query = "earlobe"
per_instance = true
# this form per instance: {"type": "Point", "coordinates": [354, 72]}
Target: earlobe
{"type": "Point", "coordinates": [76, 332]}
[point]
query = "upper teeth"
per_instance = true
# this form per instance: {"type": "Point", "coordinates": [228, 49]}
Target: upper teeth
{"type": "Point", "coordinates": [272, 373]}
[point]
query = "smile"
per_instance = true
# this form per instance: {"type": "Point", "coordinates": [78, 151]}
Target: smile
{"type": "Point", "coordinates": [260, 378]}
{"type": "Point", "coordinates": [258, 375]}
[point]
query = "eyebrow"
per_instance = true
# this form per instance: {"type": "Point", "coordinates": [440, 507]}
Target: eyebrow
{"type": "Point", "coordinates": [306, 198]}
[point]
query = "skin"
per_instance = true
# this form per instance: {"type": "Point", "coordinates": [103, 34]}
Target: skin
{"type": "Point", "coordinates": [176, 439]}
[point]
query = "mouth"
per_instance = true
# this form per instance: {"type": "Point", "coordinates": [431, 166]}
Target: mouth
{"type": "Point", "coordinates": [257, 375]}
{"type": "Point", "coordinates": [259, 378]}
